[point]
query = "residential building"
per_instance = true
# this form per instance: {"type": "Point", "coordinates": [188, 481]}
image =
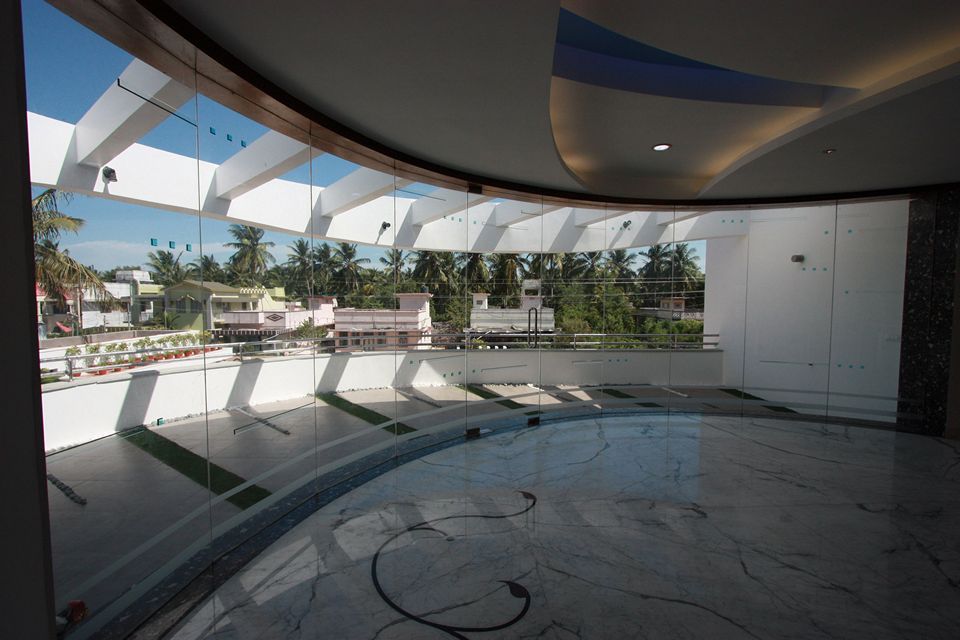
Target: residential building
{"type": "Point", "coordinates": [409, 326]}
{"type": "Point", "coordinates": [197, 305]}
{"type": "Point", "coordinates": [530, 317]}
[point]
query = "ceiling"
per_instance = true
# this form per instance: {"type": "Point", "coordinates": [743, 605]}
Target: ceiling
{"type": "Point", "coordinates": [571, 95]}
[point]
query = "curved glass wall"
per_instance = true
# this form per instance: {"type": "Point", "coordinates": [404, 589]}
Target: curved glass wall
{"type": "Point", "coordinates": [268, 325]}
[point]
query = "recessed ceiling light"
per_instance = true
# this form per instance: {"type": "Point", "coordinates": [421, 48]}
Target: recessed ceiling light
{"type": "Point", "coordinates": [829, 152]}
{"type": "Point", "coordinates": [663, 146]}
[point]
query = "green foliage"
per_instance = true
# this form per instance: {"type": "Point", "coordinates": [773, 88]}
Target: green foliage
{"type": "Point", "coordinates": [307, 330]}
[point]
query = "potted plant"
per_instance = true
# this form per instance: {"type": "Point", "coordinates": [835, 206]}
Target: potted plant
{"type": "Point", "coordinates": [141, 346]}
{"type": "Point", "coordinates": [92, 359]}
{"type": "Point", "coordinates": [206, 337]}
{"type": "Point", "coordinates": [71, 353]}
{"type": "Point", "coordinates": [108, 350]}
{"type": "Point", "coordinates": [177, 341]}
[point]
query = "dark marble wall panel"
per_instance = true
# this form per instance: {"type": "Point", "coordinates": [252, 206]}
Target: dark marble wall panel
{"type": "Point", "coordinates": [928, 311]}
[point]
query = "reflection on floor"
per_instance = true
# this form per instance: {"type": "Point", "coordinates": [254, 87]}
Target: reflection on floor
{"type": "Point", "coordinates": [624, 527]}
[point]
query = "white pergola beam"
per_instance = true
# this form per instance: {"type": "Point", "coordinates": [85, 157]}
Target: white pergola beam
{"type": "Point", "coordinates": [119, 118]}
{"type": "Point", "coordinates": [587, 217]}
{"type": "Point", "coordinates": [670, 217]}
{"type": "Point", "coordinates": [355, 189]}
{"type": "Point", "coordinates": [440, 203]}
{"type": "Point", "coordinates": [270, 156]}
{"type": "Point", "coordinates": [509, 213]}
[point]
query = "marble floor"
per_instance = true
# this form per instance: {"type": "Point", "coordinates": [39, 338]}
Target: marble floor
{"type": "Point", "coordinates": [624, 527]}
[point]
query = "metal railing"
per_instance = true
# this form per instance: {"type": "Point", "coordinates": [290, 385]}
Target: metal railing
{"type": "Point", "coordinates": [104, 362]}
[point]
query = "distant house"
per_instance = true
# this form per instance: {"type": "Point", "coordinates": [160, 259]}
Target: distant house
{"type": "Point", "coordinates": [270, 322]}
{"type": "Point", "coordinates": [501, 321]}
{"type": "Point", "coordinates": [198, 305]}
{"type": "Point", "coordinates": [407, 327]}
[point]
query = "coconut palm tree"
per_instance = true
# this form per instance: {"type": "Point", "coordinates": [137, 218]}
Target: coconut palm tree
{"type": "Point", "coordinates": [207, 268]}
{"type": "Point", "coordinates": [546, 266]}
{"type": "Point", "coordinates": [347, 266]}
{"type": "Point", "coordinates": [618, 265]}
{"type": "Point", "coordinates": [506, 270]}
{"type": "Point", "coordinates": [323, 267]}
{"type": "Point", "coordinates": [434, 270]}
{"type": "Point", "coordinates": [394, 261]}
{"type": "Point", "coordinates": [252, 257]}
{"type": "Point", "coordinates": [685, 271]}
{"type": "Point", "coordinates": [56, 272]}
{"type": "Point", "coordinates": [587, 265]}
{"type": "Point", "coordinates": [166, 268]}
{"type": "Point", "coordinates": [300, 267]}
{"type": "Point", "coordinates": [655, 273]}
{"type": "Point", "coordinates": [474, 268]}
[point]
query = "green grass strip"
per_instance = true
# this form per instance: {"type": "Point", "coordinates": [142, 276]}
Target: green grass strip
{"type": "Point", "coordinates": [486, 394]}
{"type": "Point", "coordinates": [365, 414]}
{"type": "Point", "coordinates": [616, 393]}
{"type": "Point", "coordinates": [743, 395]}
{"type": "Point", "coordinates": [195, 467]}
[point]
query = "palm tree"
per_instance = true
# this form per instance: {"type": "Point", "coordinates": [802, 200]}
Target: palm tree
{"type": "Point", "coordinates": [617, 264]}
{"type": "Point", "coordinates": [505, 269]}
{"type": "Point", "coordinates": [55, 271]}
{"type": "Point", "coordinates": [655, 273]}
{"type": "Point", "coordinates": [434, 270]}
{"type": "Point", "coordinates": [300, 265]}
{"type": "Point", "coordinates": [166, 268]}
{"type": "Point", "coordinates": [394, 262]}
{"type": "Point", "coordinates": [685, 270]}
{"type": "Point", "coordinates": [252, 257]}
{"type": "Point", "coordinates": [323, 267]}
{"type": "Point", "coordinates": [347, 266]}
{"type": "Point", "coordinates": [474, 268]}
{"type": "Point", "coordinates": [587, 265]}
{"type": "Point", "coordinates": [207, 268]}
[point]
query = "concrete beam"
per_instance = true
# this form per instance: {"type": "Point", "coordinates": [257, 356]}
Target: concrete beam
{"type": "Point", "coordinates": [509, 213]}
{"type": "Point", "coordinates": [671, 217]}
{"type": "Point", "coordinates": [119, 118]}
{"type": "Point", "coordinates": [270, 156]}
{"type": "Point", "coordinates": [442, 202]}
{"type": "Point", "coordinates": [587, 217]}
{"type": "Point", "coordinates": [355, 189]}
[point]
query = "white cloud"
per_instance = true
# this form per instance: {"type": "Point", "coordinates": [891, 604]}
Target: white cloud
{"type": "Point", "coordinates": [106, 254]}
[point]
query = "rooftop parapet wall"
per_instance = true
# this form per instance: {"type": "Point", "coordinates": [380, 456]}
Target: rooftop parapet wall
{"type": "Point", "coordinates": [126, 400]}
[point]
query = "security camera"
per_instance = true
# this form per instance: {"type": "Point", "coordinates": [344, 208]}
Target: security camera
{"type": "Point", "coordinates": [384, 226]}
{"type": "Point", "coordinates": [109, 174]}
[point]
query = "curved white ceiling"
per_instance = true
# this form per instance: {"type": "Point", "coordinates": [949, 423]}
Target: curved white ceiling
{"type": "Point", "coordinates": [472, 86]}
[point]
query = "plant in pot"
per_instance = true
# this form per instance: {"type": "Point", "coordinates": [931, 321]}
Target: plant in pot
{"type": "Point", "coordinates": [122, 348]}
{"type": "Point", "coordinates": [109, 359]}
{"type": "Point", "coordinates": [71, 353]}
{"type": "Point", "coordinates": [141, 346]}
{"type": "Point", "coordinates": [93, 359]}
{"type": "Point", "coordinates": [206, 337]}
{"type": "Point", "coordinates": [164, 343]}
{"type": "Point", "coordinates": [177, 342]}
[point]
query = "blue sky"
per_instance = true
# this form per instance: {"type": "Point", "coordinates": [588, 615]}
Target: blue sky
{"type": "Point", "coordinates": [67, 68]}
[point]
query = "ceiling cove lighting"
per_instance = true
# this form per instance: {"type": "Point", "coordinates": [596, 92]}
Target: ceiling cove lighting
{"type": "Point", "coordinates": [663, 146]}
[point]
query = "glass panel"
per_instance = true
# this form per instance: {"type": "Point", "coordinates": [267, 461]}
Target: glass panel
{"type": "Point", "coordinates": [116, 228]}
{"type": "Point", "coordinates": [867, 307]}
{"type": "Point", "coordinates": [255, 282]}
{"type": "Point", "coordinates": [696, 368]}
{"type": "Point", "coordinates": [788, 312]}
{"type": "Point", "coordinates": [724, 260]}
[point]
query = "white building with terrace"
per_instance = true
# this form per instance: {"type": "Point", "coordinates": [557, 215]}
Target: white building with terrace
{"type": "Point", "coordinates": [409, 326]}
{"type": "Point", "coordinates": [531, 316]}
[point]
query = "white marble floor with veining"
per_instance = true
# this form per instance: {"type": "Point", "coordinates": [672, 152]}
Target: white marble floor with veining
{"type": "Point", "coordinates": [625, 527]}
